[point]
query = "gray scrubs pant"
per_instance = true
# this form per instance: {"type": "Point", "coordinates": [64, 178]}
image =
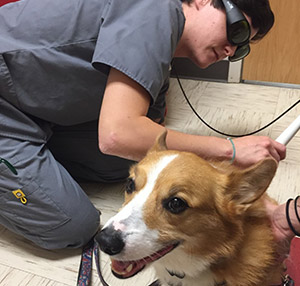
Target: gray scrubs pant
{"type": "Point", "coordinates": [43, 202]}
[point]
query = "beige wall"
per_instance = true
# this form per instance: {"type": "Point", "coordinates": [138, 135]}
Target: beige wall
{"type": "Point", "coordinates": [277, 57]}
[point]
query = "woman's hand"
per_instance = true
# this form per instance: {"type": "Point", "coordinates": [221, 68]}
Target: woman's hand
{"type": "Point", "coordinates": [281, 230]}
{"type": "Point", "coordinates": [252, 149]}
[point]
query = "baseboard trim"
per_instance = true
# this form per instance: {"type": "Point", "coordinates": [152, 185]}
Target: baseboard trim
{"type": "Point", "coordinates": [276, 84]}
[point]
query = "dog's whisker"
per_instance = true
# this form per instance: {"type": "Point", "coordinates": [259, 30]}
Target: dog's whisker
{"type": "Point", "coordinates": [144, 260]}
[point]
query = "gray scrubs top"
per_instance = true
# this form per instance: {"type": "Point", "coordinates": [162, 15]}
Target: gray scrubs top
{"type": "Point", "coordinates": [55, 55]}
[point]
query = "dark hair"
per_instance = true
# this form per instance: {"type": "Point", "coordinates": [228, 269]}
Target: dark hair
{"type": "Point", "coordinates": [259, 11]}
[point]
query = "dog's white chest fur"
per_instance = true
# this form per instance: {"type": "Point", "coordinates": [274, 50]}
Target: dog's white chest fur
{"type": "Point", "coordinates": [177, 269]}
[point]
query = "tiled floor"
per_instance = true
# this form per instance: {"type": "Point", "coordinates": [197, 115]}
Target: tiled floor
{"type": "Point", "coordinates": [232, 108]}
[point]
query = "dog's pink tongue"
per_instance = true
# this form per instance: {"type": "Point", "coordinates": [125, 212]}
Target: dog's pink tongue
{"type": "Point", "coordinates": [126, 269]}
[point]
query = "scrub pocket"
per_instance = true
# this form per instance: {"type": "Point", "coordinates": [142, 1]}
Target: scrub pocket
{"type": "Point", "coordinates": [26, 206]}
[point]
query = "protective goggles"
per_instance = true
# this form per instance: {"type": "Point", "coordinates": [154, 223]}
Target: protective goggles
{"type": "Point", "coordinates": [238, 30]}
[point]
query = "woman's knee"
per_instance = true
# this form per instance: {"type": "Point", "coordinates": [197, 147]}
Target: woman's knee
{"type": "Point", "coordinates": [75, 233]}
{"type": "Point", "coordinates": [53, 229]}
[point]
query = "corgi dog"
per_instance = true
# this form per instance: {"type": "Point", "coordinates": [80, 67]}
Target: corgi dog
{"type": "Point", "coordinates": [195, 222]}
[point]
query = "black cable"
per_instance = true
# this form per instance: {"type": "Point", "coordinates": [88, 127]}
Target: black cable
{"type": "Point", "coordinates": [223, 133]}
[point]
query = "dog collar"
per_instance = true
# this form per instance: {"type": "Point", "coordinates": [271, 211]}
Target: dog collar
{"type": "Point", "coordinates": [182, 275]}
{"type": "Point", "coordinates": [224, 283]}
{"type": "Point", "coordinates": [176, 274]}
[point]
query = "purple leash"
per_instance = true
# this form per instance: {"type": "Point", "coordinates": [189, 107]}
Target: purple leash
{"type": "Point", "coordinates": [85, 269]}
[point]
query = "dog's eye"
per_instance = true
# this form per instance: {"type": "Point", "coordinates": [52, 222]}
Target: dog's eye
{"type": "Point", "coordinates": [130, 186]}
{"type": "Point", "coordinates": [175, 205]}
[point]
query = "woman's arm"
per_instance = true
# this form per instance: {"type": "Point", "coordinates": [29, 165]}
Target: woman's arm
{"type": "Point", "coordinates": [125, 131]}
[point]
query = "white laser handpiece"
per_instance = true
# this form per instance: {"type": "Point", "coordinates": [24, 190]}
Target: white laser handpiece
{"type": "Point", "coordinates": [290, 132]}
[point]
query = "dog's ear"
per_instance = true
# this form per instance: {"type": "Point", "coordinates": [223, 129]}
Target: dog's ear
{"type": "Point", "coordinates": [160, 142]}
{"type": "Point", "coordinates": [246, 186]}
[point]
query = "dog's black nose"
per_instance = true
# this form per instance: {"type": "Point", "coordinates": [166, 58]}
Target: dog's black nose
{"type": "Point", "coordinates": [110, 241]}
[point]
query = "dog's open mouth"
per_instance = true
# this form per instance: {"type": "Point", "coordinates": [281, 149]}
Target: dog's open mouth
{"type": "Point", "coordinates": [127, 269]}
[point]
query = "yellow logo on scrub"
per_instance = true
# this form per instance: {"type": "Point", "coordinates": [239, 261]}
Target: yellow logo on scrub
{"type": "Point", "coordinates": [21, 196]}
